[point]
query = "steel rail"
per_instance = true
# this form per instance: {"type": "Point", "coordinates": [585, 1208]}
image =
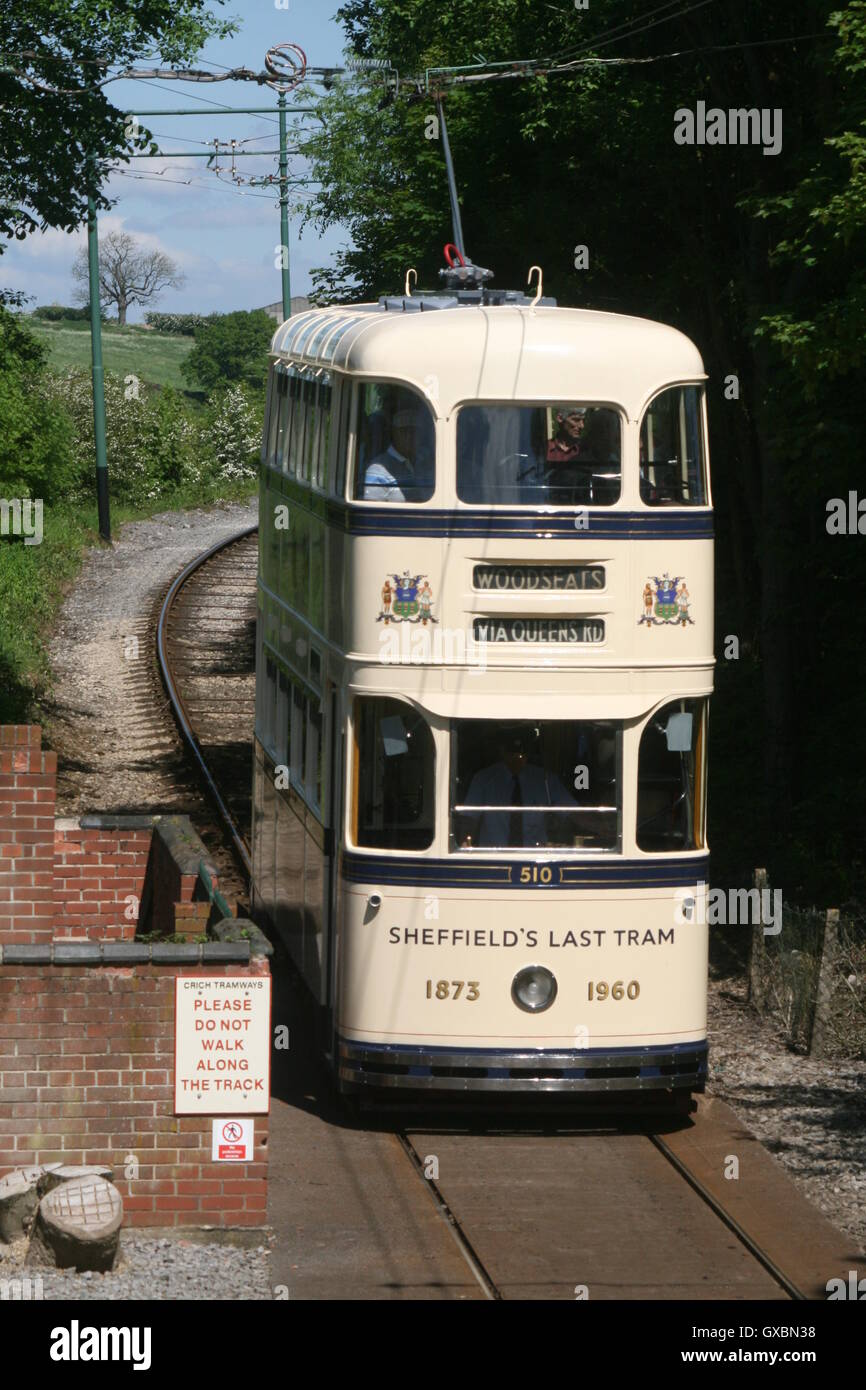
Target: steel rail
{"type": "Point", "coordinates": [176, 699]}
{"type": "Point", "coordinates": [732, 1224]}
{"type": "Point", "coordinates": [484, 1279]}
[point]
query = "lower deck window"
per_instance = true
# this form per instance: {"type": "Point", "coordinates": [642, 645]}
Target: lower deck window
{"type": "Point", "coordinates": [671, 781]}
{"type": "Point", "coordinates": [556, 784]}
{"type": "Point", "coordinates": [394, 769]}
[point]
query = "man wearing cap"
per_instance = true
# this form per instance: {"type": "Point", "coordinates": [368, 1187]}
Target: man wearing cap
{"type": "Point", "coordinates": [403, 472]}
{"type": "Point", "coordinates": [512, 783]}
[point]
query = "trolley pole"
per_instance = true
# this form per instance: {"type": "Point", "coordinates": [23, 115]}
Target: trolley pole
{"type": "Point", "coordinates": [98, 374]}
{"type": "Point", "coordinates": [284, 212]}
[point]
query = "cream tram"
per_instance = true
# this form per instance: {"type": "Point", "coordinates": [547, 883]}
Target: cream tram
{"type": "Point", "coordinates": [485, 651]}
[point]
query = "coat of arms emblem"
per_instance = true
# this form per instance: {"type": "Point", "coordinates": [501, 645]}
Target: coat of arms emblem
{"type": "Point", "coordinates": [406, 598]}
{"type": "Point", "coordinates": [666, 602]}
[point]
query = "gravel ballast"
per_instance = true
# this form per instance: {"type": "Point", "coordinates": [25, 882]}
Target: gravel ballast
{"type": "Point", "coordinates": [151, 1267]}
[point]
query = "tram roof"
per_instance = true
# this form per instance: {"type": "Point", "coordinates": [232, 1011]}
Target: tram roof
{"type": "Point", "coordinates": [502, 352]}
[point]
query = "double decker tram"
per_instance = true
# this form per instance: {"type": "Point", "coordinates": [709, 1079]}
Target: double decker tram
{"type": "Point", "coordinates": [485, 651]}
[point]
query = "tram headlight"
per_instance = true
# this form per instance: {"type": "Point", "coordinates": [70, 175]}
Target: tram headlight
{"type": "Point", "coordinates": [534, 989]}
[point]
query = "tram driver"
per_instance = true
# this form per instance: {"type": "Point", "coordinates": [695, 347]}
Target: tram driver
{"type": "Point", "coordinates": [404, 470]}
{"type": "Point", "coordinates": [512, 783]}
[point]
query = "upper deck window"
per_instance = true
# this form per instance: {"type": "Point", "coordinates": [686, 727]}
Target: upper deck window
{"type": "Point", "coordinates": [672, 456]}
{"type": "Point", "coordinates": [565, 454]}
{"type": "Point", "coordinates": [396, 435]}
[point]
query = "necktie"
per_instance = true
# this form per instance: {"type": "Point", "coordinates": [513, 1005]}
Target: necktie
{"type": "Point", "coordinates": [515, 820]}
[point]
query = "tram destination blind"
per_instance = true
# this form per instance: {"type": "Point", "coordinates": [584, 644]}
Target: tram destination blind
{"type": "Point", "coordinates": [528, 578]}
{"type": "Point", "coordinates": [585, 630]}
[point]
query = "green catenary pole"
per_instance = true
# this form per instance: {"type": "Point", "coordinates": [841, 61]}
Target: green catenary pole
{"type": "Point", "coordinates": [98, 374]}
{"type": "Point", "coordinates": [284, 213]}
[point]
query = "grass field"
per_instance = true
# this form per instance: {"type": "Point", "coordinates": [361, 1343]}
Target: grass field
{"type": "Point", "coordinates": [34, 581]}
{"type": "Point", "coordinates": [154, 358]}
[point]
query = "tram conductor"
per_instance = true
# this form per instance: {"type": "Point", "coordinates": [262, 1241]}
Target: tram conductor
{"type": "Point", "coordinates": [512, 783]}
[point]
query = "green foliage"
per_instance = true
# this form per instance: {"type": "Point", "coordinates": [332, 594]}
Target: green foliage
{"type": "Point", "coordinates": [35, 444]}
{"type": "Point", "coordinates": [231, 348]}
{"type": "Point", "coordinates": [32, 583]}
{"type": "Point", "coordinates": [185, 324]}
{"type": "Point", "coordinates": [59, 143]}
{"type": "Point", "coordinates": [54, 313]}
{"type": "Point", "coordinates": [158, 442]}
{"type": "Point", "coordinates": [234, 434]}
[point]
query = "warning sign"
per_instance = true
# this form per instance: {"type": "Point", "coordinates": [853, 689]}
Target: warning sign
{"type": "Point", "coordinates": [232, 1141]}
{"type": "Point", "coordinates": [222, 1051]}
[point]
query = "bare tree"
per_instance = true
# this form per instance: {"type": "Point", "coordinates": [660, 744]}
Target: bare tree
{"type": "Point", "coordinates": [128, 273]}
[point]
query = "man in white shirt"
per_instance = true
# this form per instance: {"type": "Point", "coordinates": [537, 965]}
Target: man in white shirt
{"type": "Point", "coordinates": [512, 783]}
{"type": "Point", "coordinates": [404, 471]}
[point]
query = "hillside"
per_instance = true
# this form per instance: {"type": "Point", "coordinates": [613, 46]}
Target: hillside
{"type": "Point", "coordinates": [154, 358]}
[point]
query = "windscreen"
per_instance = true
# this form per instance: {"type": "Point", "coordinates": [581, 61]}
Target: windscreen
{"type": "Point", "coordinates": [555, 783]}
{"type": "Point", "coordinates": [561, 454]}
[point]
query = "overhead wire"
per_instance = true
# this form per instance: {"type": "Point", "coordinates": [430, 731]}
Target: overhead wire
{"type": "Point", "coordinates": [622, 30]}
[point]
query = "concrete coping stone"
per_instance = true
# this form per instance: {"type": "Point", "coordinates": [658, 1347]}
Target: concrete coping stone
{"type": "Point", "coordinates": [129, 953]}
{"type": "Point", "coordinates": [94, 822]}
{"type": "Point", "coordinates": [183, 843]}
{"type": "Point", "coordinates": [237, 929]}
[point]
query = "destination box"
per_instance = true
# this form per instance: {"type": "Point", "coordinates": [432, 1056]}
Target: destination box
{"type": "Point", "coordinates": [532, 578]}
{"type": "Point", "coordinates": [563, 630]}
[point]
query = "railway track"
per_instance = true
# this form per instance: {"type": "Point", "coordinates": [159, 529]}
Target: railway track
{"type": "Point", "coordinates": [599, 1214]}
{"type": "Point", "coordinates": [600, 1209]}
{"type": "Point", "coordinates": [205, 641]}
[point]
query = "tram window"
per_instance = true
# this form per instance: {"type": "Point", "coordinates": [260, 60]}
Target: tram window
{"type": "Point", "coordinates": [312, 439]}
{"type": "Point", "coordinates": [296, 421]}
{"type": "Point", "coordinates": [325, 403]}
{"type": "Point", "coordinates": [565, 454]}
{"type": "Point", "coordinates": [394, 802]}
{"type": "Point", "coordinates": [343, 439]}
{"type": "Point", "coordinates": [672, 472]}
{"type": "Point", "coordinates": [283, 423]}
{"type": "Point", "coordinates": [282, 723]}
{"type": "Point", "coordinates": [396, 433]}
{"type": "Point", "coordinates": [671, 781]}
{"type": "Point", "coordinates": [277, 385]}
{"type": "Point", "coordinates": [269, 710]}
{"type": "Point", "coordinates": [314, 754]}
{"type": "Point", "coordinates": [299, 738]}
{"type": "Point", "coordinates": [536, 785]}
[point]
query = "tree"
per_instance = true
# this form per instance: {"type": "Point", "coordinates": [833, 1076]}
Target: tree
{"type": "Point", "coordinates": [58, 129]}
{"type": "Point", "coordinates": [128, 273]}
{"type": "Point", "coordinates": [230, 348]}
{"type": "Point", "coordinates": [35, 435]}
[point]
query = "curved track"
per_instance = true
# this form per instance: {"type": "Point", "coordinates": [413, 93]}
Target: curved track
{"type": "Point", "coordinates": [205, 644]}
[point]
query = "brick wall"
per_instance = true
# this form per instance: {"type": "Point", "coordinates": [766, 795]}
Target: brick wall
{"type": "Point", "coordinates": [27, 799]}
{"type": "Point", "coordinates": [99, 877]}
{"type": "Point", "coordinates": [87, 1050]}
{"type": "Point", "coordinates": [86, 1076]}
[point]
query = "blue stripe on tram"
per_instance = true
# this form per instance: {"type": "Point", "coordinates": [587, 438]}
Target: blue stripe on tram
{"type": "Point", "coordinates": [601, 525]}
{"type": "Point", "coordinates": [506, 873]}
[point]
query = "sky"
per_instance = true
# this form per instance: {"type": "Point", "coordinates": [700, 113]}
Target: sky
{"type": "Point", "coordinates": [225, 240]}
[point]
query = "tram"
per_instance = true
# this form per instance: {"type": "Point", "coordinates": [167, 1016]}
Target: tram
{"type": "Point", "coordinates": [484, 657]}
